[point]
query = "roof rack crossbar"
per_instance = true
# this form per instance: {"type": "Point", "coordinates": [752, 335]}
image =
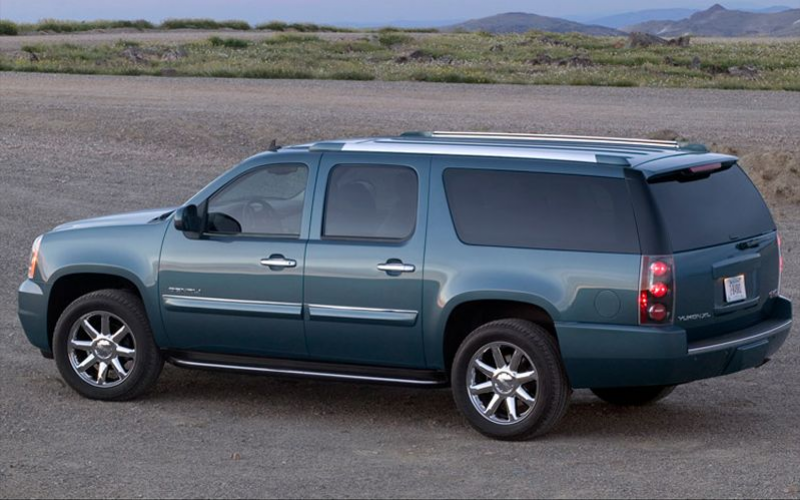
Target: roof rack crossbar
{"type": "Point", "coordinates": [546, 138]}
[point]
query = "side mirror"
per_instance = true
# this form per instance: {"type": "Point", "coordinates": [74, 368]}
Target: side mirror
{"type": "Point", "coordinates": [188, 220]}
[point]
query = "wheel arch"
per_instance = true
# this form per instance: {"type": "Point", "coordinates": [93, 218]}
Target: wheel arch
{"type": "Point", "coordinates": [71, 283]}
{"type": "Point", "coordinates": [468, 312]}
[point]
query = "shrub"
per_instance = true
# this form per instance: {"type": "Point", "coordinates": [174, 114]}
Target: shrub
{"type": "Point", "coordinates": [231, 43]}
{"type": "Point", "coordinates": [203, 24]}
{"type": "Point", "coordinates": [8, 28]}
{"type": "Point", "coordinates": [391, 39]}
{"type": "Point", "coordinates": [272, 26]}
{"type": "Point", "coordinates": [288, 38]}
{"type": "Point", "coordinates": [235, 24]}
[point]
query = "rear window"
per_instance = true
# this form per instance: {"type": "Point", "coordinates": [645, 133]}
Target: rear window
{"type": "Point", "coordinates": [718, 209]}
{"type": "Point", "coordinates": [547, 211]}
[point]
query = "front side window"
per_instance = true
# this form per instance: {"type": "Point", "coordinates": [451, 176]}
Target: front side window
{"type": "Point", "coordinates": [541, 210]}
{"type": "Point", "coordinates": [266, 201]}
{"type": "Point", "coordinates": [371, 202]}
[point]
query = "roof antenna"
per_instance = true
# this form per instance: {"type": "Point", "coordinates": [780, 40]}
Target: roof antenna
{"type": "Point", "coordinates": [273, 146]}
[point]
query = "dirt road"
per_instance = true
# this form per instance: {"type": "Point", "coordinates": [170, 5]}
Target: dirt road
{"type": "Point", "coordinates": [73, 147]}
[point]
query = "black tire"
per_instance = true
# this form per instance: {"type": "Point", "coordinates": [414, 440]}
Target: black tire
{"type": "Point", "coordinates": [552, 387]}
{"type": "Point", "coordinates": [129, 308]}
{"type": "Point", "coordinates": [634, 396]}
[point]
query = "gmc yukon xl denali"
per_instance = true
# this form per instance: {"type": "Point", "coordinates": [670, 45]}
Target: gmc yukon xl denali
{"type": "Point", "coordinates": [513, 268]}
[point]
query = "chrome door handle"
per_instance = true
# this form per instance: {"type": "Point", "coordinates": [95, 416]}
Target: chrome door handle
{"type": "Point", "coordinates": [278, 261]}
{"type": "Point", "coordinates": [396, 267]}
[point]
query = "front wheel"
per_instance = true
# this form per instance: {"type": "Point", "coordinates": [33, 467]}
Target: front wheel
{"type": "Point", "coordinates": [634, 396]}
{"type": "Point", "coordinates": [104, 348]}
{"type": "Point", "coordinates": [508, 380]}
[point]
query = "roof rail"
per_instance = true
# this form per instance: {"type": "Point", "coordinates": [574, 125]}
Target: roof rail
{"type": "Point", "coordinates": [547, 138]}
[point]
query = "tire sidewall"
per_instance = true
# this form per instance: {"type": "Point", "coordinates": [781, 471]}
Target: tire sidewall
{"type": "Point", "coordinates": [544, 357]}
{"type": "Point", "coordinates": [140, 330]}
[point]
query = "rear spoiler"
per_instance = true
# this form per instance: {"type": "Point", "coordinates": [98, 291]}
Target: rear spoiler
{"type": "Point", "coordinates": [686, 167]}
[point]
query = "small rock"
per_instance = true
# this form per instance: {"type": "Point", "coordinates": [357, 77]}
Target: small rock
{"type": "Point", "coordinates": [743, 71]}
{"type": "Point", "coordinates": [554, 41]}
{"type": "Point", "coordinates": [173, 54]}
{"type": "Point", "coordinates": [638, 39]}
{"type": "Point", "coordinates": [541, 59]}
{"type": "Point", "coordinates": [576, 61]}
{"type": "Point", "coordinates": [681, 41]}
{"type": "Point", "coordinates": [134, 55]}
{"type": "Point", "coordinates": [696, 62]}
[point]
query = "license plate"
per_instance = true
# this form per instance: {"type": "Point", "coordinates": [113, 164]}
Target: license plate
{"type": "Point", "coordinates": [734, 289]}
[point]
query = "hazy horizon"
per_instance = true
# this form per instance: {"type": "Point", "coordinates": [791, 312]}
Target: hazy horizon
{"type": "Point", "coordinates": [336, 11]}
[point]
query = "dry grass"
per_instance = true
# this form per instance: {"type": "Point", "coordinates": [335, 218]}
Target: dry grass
{"type": "Point", "coordinates": [531, 58]}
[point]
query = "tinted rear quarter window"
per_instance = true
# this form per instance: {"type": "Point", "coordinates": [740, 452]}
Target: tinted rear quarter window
{"type": "Point", "coordinates": [721, 208]}
{"type": "Point", "coordinates": [541, 210]}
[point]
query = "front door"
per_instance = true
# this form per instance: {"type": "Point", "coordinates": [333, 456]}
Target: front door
{"type": "Point", "coordinates": [363, 285]}
{"type": "Point", "coordinates": [238, 289]}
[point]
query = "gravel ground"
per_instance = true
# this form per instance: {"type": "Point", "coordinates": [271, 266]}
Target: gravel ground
{"type": "Point", "coordinates": [74, 147]}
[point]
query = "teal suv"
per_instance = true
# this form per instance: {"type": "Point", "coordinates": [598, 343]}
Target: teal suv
{"type": "Point", "coordinates": [513, 268]}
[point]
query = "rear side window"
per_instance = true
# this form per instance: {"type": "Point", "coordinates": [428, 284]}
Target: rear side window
{"type": "Point", "coordinates": [547, 211]}
{"type": "Point", "coordinates": [721, 208]}
{"type": "Point", "coordinates": [371, 202]}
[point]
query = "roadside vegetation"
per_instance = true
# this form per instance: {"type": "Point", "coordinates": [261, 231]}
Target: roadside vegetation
{"type": "Point", "coordinates": [65, 26]}
{"type": "Point", "coordinates": [530, 58]}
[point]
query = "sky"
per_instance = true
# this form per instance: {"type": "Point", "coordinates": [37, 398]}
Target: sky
{"type": "Point", "coordinates": [337, 11]}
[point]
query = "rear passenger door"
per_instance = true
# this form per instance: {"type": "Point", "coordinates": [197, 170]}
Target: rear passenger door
{"type": "Point", "coordinates": [363, 276]}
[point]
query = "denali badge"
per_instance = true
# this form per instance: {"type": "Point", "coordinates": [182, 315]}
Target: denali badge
{"type": "Point", "coordinates": [180, 289]}
{"type": "Point", "coordinates": [695, 316]}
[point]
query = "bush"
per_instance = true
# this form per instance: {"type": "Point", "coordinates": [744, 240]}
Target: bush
{"type": "Point", "coordinates": [203, 24]}
{"type": "Point", "coordinates": [235, 24]}
{"type": "Point", "coordinates": [272, 26]}
{"type": "Point", "coordinates": [65, 26]}
{"type": "Point", "coordinates": [231, 43]}
{"type": "Point", "coordinates": [288, 38]}
{"type": "Point", "coordinates": [301, 27]}
{"type": "Point", "coordinates": [391, 39]}
{"type": "Point", "coordinates": [8, 28]}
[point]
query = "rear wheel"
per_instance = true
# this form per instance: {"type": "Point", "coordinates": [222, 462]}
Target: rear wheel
{"type": "Point", "coordinates": [104, 348]}
{"type": "Point", "coordinates": [634, 396]}
{"type": "Point", "coordinates": [508, 380]}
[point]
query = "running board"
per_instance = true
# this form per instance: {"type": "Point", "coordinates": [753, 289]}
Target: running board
{"type": "Point", "coordinates": [307, 369]}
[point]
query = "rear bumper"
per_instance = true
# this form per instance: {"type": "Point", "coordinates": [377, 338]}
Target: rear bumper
{"type": "Point", "coordinates": [614, 356]}
{"type": "Point", "coordinates": [32, 304]}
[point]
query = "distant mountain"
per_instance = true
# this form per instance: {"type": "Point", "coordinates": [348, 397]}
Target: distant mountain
{"type": "Point", "coordinates": [719, 21]}
{"type": "Point", "coordinates": [520, 22]}
{"type": "Point", "coordinates": [771, 10]}
{"type": "Point", "coordinates": [642, 16]}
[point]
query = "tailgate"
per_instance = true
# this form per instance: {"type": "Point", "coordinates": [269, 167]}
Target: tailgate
{"type": "Point", "coordinates": [705, 307]}
{"type": "Point", "coordinates": [725, 248]}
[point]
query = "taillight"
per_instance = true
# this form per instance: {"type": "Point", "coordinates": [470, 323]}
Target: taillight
{"type": "Point", "coordinates": [657, 290]}
{"type": "Point", "coordinates": [34, 257]}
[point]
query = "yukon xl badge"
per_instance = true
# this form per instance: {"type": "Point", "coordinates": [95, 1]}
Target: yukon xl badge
{"type": "Point", "coordinates": [695, 316]}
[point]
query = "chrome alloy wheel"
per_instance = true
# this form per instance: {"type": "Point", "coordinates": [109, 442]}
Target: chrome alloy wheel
{"type": "Point", "coordinates": [101, 349]}
{"type": "Point", "coordinates": [502, 383]}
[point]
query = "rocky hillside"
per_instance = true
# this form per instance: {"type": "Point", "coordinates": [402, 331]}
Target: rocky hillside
{"type": "Point", "coordinates": [719, 21]}
{"type": "Point", "coordinates": [520, 22]}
